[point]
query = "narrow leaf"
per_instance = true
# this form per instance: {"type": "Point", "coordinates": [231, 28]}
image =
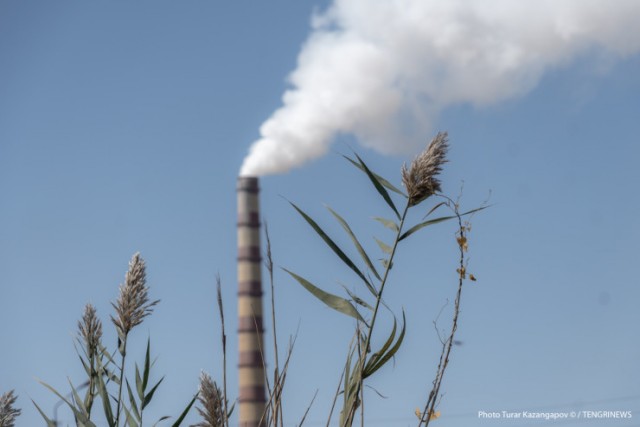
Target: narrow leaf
{"type": "Point", "coordinates": [385, 358]}
{"type": "Point", "coordinates": [333, 301]}
{"type": "Point", "coordinates": [130, 421]}
{"type": "Point", "coordinates": [104, 395]}
{"type": "Point", "coordinates": [387, 223]}
{"type": "Point", "coordinates": [78, 400]}
{"type": "Point", "coordinates": [383, 181]}
{"type": "Point", "coordinates": [357, 299]}
{"type": "Point", "coordinates": [139, 387]}
{"type": "Point", "coordinates": [421, 225]}
{"type": "Point", "coordinates": [149, 395]}
{"type": "Point", "coordinates": [433, 209]}
{"type": "Point", "coordinates": [379, 187]}
{"type": "Point", "coordinates": [435, 221]}
{"type": "Point", "coordinates": [185, 412]}
{"type": "Point", "coordinates": [132, 401]}
{"type": "Point", "coordinates": [385, 248]}
{"type": "Point", "coordinates": [165, 417]}
{"type": "Point", "coordinates": [332, 244]}
{"type": "Point", "coordinates": [357, 244]}
{"type": "Point", "coordinates": [47, 419]}
{"type": "Point", "coordinates": [380, 353]}
{"type": "Point", "coordinates": [147, 367]}
{"type": "Point", "coordinates": [77, 413]}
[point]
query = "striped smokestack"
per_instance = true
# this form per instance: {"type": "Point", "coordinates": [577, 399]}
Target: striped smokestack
{"type": "Point", "coordinates": [250, 361]}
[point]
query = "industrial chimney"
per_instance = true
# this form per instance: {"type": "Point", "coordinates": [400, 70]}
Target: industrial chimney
{"type": "Point", "coordinates": [251, 366]}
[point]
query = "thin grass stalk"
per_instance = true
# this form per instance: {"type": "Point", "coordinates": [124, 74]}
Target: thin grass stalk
{"type": "Point", "coordinates": [335, 396]}
{"type": "Point", "coordinates": [225, 400]}
{"type": "Point", "coordinates": [121, 377]}
{"type": "Point", "coordinates": [306, 412]}
{"type": "Point", "coordinates": [277, 404]}
{"type": "Point", "coordinates": [429, 408]}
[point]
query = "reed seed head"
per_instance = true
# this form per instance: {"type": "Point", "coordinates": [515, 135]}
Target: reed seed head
{"type": "Point", "coordinates": [133, 303]}
{"type": "Point", "coordinates": [8, 413]}
{"type": "Point", "coordinates": [212, 400]}
{"type": "Point", "coordinates": [90, 330]}
{"type": "Point", "coordinates": [420, 179]}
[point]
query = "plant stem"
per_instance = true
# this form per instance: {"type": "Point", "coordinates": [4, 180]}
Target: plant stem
{"type": "Point", "coordinates": [119, 401]}
{"type": "Point", "coordinates": [363, 357]}
{"type": "Point", "coordinates": [429, 408]}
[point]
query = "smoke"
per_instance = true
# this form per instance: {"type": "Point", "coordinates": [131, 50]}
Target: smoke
{"type": "Point", "coordinates": [383, 70]}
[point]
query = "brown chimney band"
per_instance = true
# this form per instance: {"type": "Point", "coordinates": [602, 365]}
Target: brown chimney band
{"type": "Point", "coordinates": [250, 324]}
{"type": "Point", "coordinates": [251, 394]}
{"type": "Point", "coordinates": [249, 219]}
{"type": "Point", "coordinates": [250, 359]}
{"type": "Point", "coordinates": [251, 288]}
{"type": "Point", "coordinates": [249, 253]}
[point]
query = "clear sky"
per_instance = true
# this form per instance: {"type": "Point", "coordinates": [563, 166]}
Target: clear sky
{"type": "Point", "coordinates": [123, 126]}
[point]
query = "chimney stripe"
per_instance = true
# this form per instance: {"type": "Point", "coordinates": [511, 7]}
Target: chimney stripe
{"type": "Point", "coordinates": [251, 393]}
{"type": "Point", "coordinates": [249, 253]}
{"type": "Point", "coordinates": [250, 324]}
{"type": "Point", "coordinates": [252, 288]}
{"type": "Point", "coordinates": [250, 358]}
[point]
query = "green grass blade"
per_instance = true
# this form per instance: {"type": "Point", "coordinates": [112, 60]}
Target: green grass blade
{"type": "Point", "coordinates": [185, 412]}
{"type": "Point", "coordinates": [76, 412]}
{"type": "Point", "coordinates": [149, 395]}
{"type": "Point", "coordinates": [147, 365]}
{"type": "Point", "coordinates": [421, 225]}
{"type": "Point", "coordinates": [356, 242]}
{"type": "Point", "coordinates": [332, 244]}
{"type": "Point", "coordinates": [379, 187]}
{"type": "Point", "coordinates": [385, 358]}
{"type": "Point", "coordinates": [104, 394]}
{"type": "Point", "coordinates": [46, 419]}
{"type": "Point", "coordinates": [130, 421]}
{"type": "Point", "coordinates": [383, 181]}
{"type": "Point", "coordinates": [337, 303]}
{"type": "Point", "coordinates": [368, 370]}
{"type": "Point", "coordinates": [433, 209]}
{"type": "Point", "coordinates": [78, 400]}
{"type": "Point", "coordinates": [132, 401]}
{"type": "Point", "coordinates": [139, 388]}
{"type": "Point", "coordinates": [165, 417]}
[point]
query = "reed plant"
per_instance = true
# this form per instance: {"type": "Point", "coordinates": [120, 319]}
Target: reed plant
{"type": "Point", "coordinates": [421, 184]}
{"type": "Point", "coordinates": [8, 412]}
{"type": "Point", "coordinates": [123, 400]}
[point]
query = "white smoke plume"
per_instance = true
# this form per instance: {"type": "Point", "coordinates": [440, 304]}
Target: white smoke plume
{"type": "Point", "coordinates": [383, 70]}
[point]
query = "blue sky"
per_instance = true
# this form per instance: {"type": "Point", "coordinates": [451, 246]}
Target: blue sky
{"type": "Point", "coordinates": [123, 127]}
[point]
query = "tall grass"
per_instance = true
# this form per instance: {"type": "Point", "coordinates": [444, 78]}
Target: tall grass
{"type": "Point", "coordinates": [421, 184]}
{"type": "Point", "coordinates": [124, 400]}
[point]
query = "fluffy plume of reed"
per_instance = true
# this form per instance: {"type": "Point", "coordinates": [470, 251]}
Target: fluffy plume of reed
{"type": "Point", "coordinates": [212, 400]}
{"type": "Point", "coordinates": [90, 329]}
{"type": "Point", "coordinates": [8, 413]}
{"type": "Point", "coordinates": [420, 179]}
{"type": "Point", "coordinates": [133, 303]}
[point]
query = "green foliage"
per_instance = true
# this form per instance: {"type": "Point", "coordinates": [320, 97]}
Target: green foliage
{"type": "Point", "coordinates": [421, 182]}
